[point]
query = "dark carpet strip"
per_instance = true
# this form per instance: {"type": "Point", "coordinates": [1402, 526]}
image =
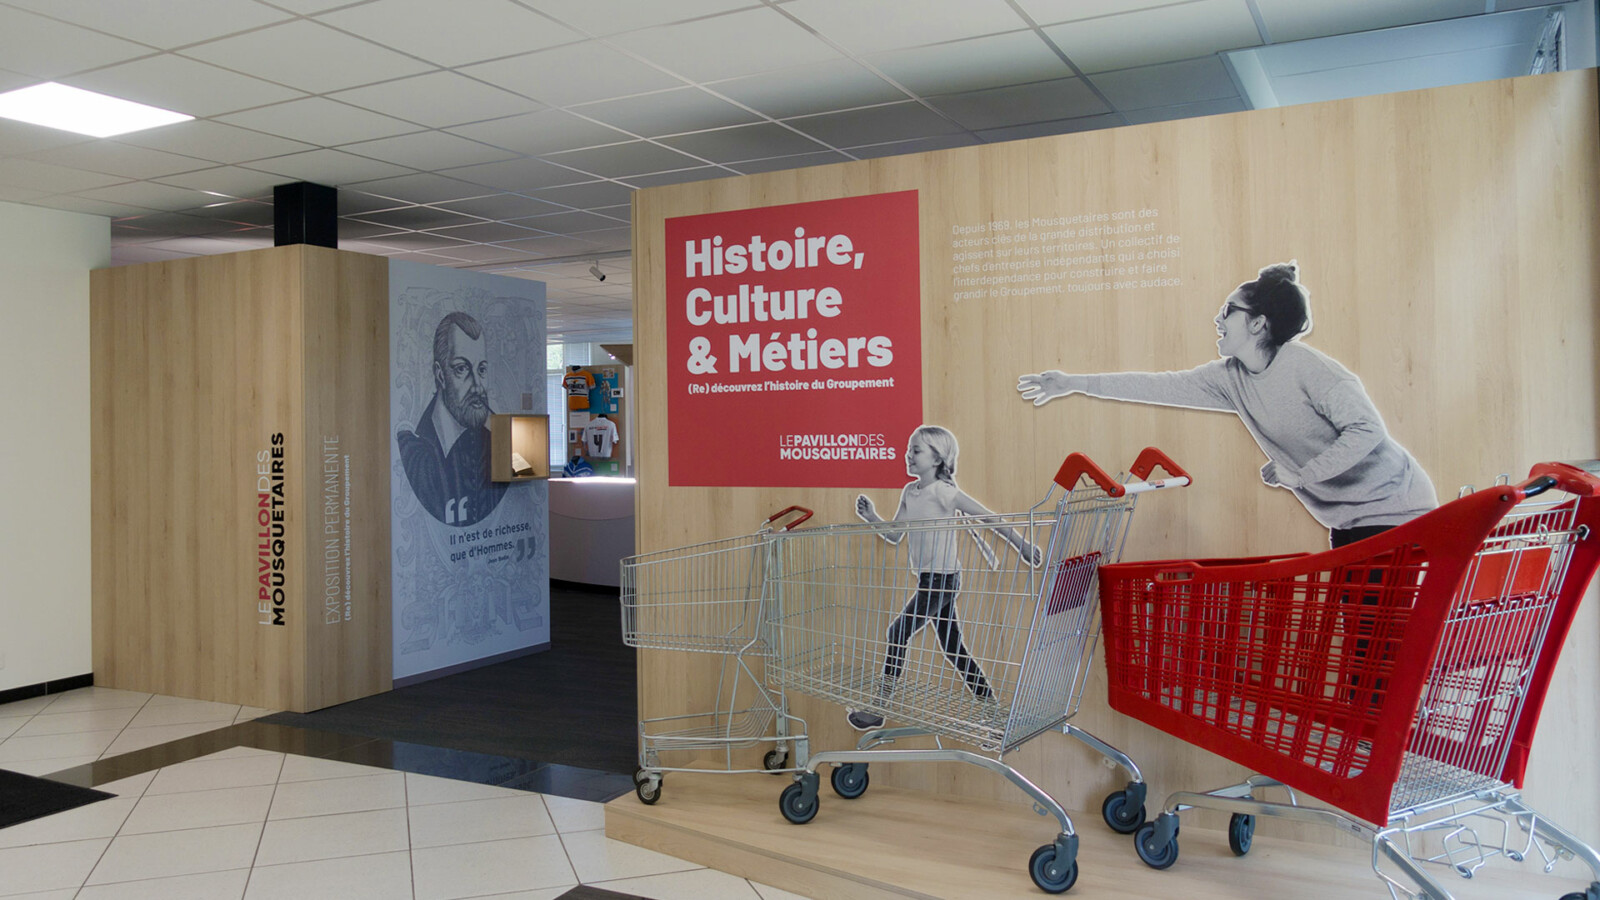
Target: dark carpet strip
{"type": "Point", "coordinates": [573, 705]}
{"type": "Point", "coordinates": [25, 797]}
{"type": "Point", "coordinates": [585, 892]}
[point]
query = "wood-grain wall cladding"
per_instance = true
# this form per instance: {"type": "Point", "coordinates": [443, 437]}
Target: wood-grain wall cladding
{"type": "Point", "coordinates": [1448, 239]}
{"type": "Point", "coordinates": [237, 415]}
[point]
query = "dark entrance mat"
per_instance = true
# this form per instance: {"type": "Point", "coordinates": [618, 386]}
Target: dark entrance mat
{"type": "Point", "coordinates": [24, 797]}
{"type": "Point", "coordinates": [585, 892]}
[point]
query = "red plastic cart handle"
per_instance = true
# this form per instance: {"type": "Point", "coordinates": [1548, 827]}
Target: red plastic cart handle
{"type": "Point", "coordinates": [1078, 465]}
{"type": "Point", "coordinates": [790, 526]}
{"type": "Point", "coordinates": [1581, 479]}
{"type": "Point", "coordinates": [1149, 458]}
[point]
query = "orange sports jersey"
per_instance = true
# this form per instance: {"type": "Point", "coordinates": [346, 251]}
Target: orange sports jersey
{"type": "Point", "coordinates": [578, 384]}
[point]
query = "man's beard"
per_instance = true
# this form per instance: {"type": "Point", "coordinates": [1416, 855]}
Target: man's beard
{"type": "Point", "coordinates": [465, 412]}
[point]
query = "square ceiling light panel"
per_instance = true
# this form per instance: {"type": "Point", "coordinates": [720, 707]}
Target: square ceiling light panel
{"type": "Point", "coordinates": [82, 112]}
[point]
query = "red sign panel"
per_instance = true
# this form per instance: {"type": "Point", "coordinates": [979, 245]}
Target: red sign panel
{"type": "Point", "coordinates": [794, 344]}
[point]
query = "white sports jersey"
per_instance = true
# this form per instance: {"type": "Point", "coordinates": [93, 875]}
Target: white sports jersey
{"type": "Point", "coordinates": [598, 438]}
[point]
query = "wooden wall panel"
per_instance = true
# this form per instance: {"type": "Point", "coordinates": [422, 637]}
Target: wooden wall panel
{"type": "Point", "coordinates": [196, 365]}
{"type": "Point", "coordinates": [1449, 241]}
{"type": "Point", "coordinates": [346, 328]}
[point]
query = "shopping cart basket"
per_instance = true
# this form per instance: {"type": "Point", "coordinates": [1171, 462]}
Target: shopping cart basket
{"type": "Point", "coordinates": [1009, 666]}
{"type": "Point", "coordinates": [711, 598]}
{"type": "Point", "coordinates": [1398, 679]}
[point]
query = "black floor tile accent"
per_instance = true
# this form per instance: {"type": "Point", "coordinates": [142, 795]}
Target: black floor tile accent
{"type": "Point", "coordinates": [560, 722]}
{"type": "Point", "coordinates": [24, 798]}
{"type": "Point", "coordinates": [586, 892]}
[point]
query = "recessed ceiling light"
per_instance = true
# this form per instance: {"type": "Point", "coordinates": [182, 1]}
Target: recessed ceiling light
{"type": "Point", "coordinates": [82, 112]}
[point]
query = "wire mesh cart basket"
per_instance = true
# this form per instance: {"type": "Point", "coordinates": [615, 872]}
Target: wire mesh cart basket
{"type": "Point", "coordinates": [712, 598]}
{"type": "Point", "coordinates": [1009, 620]}
{"type": "Point", "coordinates": [1398, 679]}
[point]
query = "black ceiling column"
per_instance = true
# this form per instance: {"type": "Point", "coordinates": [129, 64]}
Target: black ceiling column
{"type": "Point", "coordinates": [305, 213]}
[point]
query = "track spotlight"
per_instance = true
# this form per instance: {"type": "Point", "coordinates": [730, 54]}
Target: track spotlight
{"type": "Point", "coordinates": [594, 269]}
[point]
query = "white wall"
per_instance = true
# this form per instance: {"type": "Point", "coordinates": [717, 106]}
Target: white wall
{"type": "Point", "coordinates": [45, 258]}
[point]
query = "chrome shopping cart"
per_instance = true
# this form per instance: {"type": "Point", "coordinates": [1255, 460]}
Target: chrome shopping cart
{"type": "Point", "coordinates": [1398, 679]}
{"type": "Point", "coordinates": [1011, 622]}
{"type": "Point", "coordinates": [711, 598]}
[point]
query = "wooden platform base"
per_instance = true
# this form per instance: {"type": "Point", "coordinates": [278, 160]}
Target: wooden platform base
{"type": "Point", "coordinates": [896, 843]}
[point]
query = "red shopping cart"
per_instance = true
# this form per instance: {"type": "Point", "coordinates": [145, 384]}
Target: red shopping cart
{"type": "Point", "coordinates": [1399, 679]}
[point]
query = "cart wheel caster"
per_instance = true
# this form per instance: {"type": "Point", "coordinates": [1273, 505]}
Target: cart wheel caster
{"type": "Point", "coordinates": [775, 760]}
{"type": "Point", "coordinates": [1151, 855]}
{"type": "Point", "coordinates": [1241, 831]}
{"type": "Point", "coordinates": [1048, 872]}
{"type": "Point", "coordinates": [647, 786]}
{"type": "Point", "coordinates": [794, 807]}
{"type": "Point", "coordinates": [850, 780]}
{"type": "Point", "coordinates": [1119, 817]}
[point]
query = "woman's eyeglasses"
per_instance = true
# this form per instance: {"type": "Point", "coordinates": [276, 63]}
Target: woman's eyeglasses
{"type": "Point", "coordinates": [1230, 308]}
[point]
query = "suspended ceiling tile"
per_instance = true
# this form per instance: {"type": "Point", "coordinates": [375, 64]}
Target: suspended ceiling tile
{"type": "Point", "coordinates": [131, 254]}
{"type": "Point", "coordinates": [555, 246]}
{"type": "Point", "coordinates": [1049, 12]}
{"type": "Point", "coordinates": [1295, 20]}
{"type": "Point", "coordinates": [1185, 110]}
{"type": "Point", "coordinates": [39, 176]}
{"type": "Point", "coordinates": [1151, 36]}
{"type": "Point", "coordinates": [437, 99]}
{"type": "Point", "coordinates": [429, 150]}
{"type": "Point", "coordinates": [919, 145]}
{"type": "Point", "coordinates": [1047, 129]}
{"type": "Point", "coordinates": [353, 201]}
{"type": "Point", "coordinates": [74, 203]}
{"type": "Point", "coordinates": [805, 90]}
{"type": "Point", "coordinates": [20, 138]}
{"type": "Point", "coordinates": [476, 29]}
{"type": "Point", "coordinates": [571, 222]}
{"type": "Point", "coordinates": [183, 85]}
{"type": "Point", "coordinates": [621, 160]}
{"type": "Point", "coordinates": [416, 218]}
{"type": "Point", "coordinates": [875, 124]}
{"type": "Point", "coordinates": [869, 26]}
{"type": "Point", "coordinates": [121, 159]}
{"type": "Point", "coordinates": [545, 131]}
{"type": "Point", "coordinates": [214, 141]}
{"type": "Point", "coordinates": [415, 241]}
{"type": "Point", "coordinates": [148, 193]}
{"type": "Point", "coordinates": [320, 121]}
{"type": "Point", "coordinates": [779, 163]}
{"type": "Point", "coordinates": [680, 176]}
{"type": "Point", "coordinates": [432, 259]}
{"type": "Point", "coordinates": [667, 112]}
{"type": "Point", "coordinates": [43, 48]}
{"type": "Point", "coordinates": [12, 80]}
{"type": "Point", "coordinates": [502, 206]}
{"type": "Point", "coordinates": [517, 175]}
{"type": "Point", "coordinates": [241, 212]}
{"type": "Point", "coordinates": [233, 181]}
{"type": "Point", "coordinates": [308, 56]}
{"type": "Point", "coordinates": [484, 232]}
{"type": "Point", "coordinates": [13, 194]}
{"type": "Point", "coordinates": [1021, 104]}
{"type": "Point", "coordinates": [994, 61]}
{"type": "Point", "coordinates": [576, 73]}
{"type": "Point", "coordinates": [421, 187]}
{"type": "Point", "coordinates": [173, 24]}
{"type": "Point", "coordinates": [726, 145]}
{"type": "Point", "coordinates": [602, 17]}
{"type": "Point", "coordinates": [1167, 85]}
{"type": "Point", "coordinates": [330, 167]}
{"type": "Point", "coordinates": [622, 212]}
{"type": "Point", "coordinates": [588, 195]}
{"type": "Point", "coordinates": [176, 224]}
{"type": "Point", "coordinates": [738, 43]}
{"type": "Point", "coordinates": [483, 253]}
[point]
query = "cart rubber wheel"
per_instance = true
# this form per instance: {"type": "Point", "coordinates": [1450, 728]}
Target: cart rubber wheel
{"type": "Point", "coordinates": [775, 760]}
{"type": "Point", "coordinates": [1150, 855]}
{"type": "Point", "coordinates": [794, 807]}
{"type": "Point", "coordinates": [1118, 816]}
{"type": "Point", "coordinates": [1241, 831]}
{"type": "Point", "coordinates": [1050, 877]}
{"type": "Point", "coordinates": [850, 780]}
{"type": "Point", "coordinates": [648, 789]}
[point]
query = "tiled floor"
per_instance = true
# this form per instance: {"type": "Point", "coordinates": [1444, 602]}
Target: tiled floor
{"type": "Point", "coordinates": [262, 824]}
